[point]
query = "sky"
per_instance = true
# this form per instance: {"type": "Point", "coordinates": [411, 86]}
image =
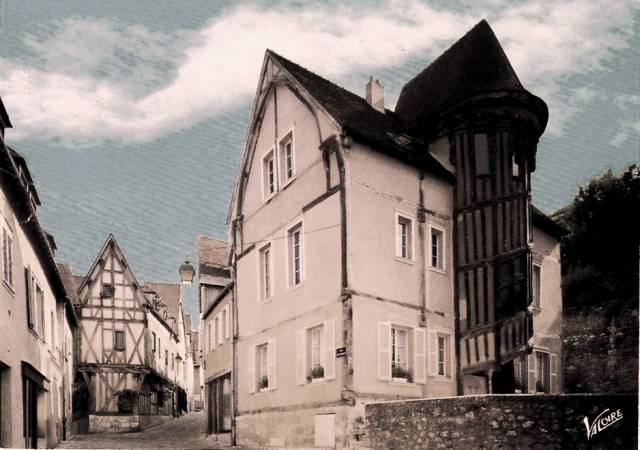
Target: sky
{"type": "Point", "coordinates": [132, 115]}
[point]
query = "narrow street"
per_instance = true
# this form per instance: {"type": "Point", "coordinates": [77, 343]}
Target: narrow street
{"type": "Point", "coordinates": [184, 432]}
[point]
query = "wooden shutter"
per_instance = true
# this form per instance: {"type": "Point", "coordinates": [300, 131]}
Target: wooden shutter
{"type": "Point", "coordinates": [252, 369]}
{"type": "Point", "coordinates": [227, 327]}
{"type": "Point", "coordinates": [27, 287]}
{"type": "Point", "coordinates": [272, 364]}
{"type": "Point", "coordinates": [301, 358]}
{"type": "Point", "coordinates": [420, 357]}
{"type": "Point", "coordinates": [433, 353]}
{"type": "Point", "coordinates": [554, 373]}
{"type": "Point", "coordinates": [531, 368]}
{"type": "Point", "coordinates": [329, 356]}
{"type": "Point", "coordinates": [384, 351]}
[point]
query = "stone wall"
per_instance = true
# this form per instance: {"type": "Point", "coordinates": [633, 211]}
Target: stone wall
{"type": "Point", "coordinates": [500, 421]}
{"type": "Point", "coordinates": [600, 350]}
{"type": "Point", "coordinates": [113, 423]}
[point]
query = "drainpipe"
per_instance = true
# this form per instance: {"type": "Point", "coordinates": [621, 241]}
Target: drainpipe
{"type": "Point", "coordinates": [421, 214]}
{"type": "Point", "coordinates": [234, 343]}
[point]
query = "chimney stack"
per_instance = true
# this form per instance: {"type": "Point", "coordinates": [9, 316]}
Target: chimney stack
{"type": "Point", "coordinates": [375, 94]}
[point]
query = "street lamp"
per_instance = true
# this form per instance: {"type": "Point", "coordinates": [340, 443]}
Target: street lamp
{"type": "Point", "coordinates": [186, 272]}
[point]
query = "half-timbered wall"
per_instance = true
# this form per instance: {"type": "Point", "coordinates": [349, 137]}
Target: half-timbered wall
{"type": "Point", "coordinates": [493, 256]}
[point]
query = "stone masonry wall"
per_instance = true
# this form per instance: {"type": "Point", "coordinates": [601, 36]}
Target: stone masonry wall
{"type": "Point", "coordinates": [501, 421]}
{"type": "Point", "coordinates": [113, 424]}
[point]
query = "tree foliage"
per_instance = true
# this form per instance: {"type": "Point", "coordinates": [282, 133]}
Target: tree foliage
{"type": "Point", "coordinates": [600, 252]}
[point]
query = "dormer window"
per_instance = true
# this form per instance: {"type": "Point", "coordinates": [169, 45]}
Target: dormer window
{"type": "Point", "coordinates": [107, 290]}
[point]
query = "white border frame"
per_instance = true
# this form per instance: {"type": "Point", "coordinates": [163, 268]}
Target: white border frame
{"type": "Point", "coordinates": [285, 183]}
{"type": "Point", "coordinates": [298, 222]}
{"type": "Point", "coordinates": [443, 249]}
{"type": "Point", "coordinates": [404, 215]}
{"type": "Point", "coordinates": [266, 196]}
{"type": "Point", "coordinates": [262, 299]}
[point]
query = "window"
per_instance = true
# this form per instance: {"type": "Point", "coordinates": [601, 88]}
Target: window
{"type": "Point", "coordinates": [286, 157]}
{"type": "Point", "coordinates": [153, 345]}
{"type": "Point", "coordinates": [107, 290]}
{"type": "Point", "coordinates": [7, 258]}
{"type": "Point", "coordinates": [210, 334]}
{"type": "Point", "coordinates": [265, 273]}
{"type": "Point", "coordinates": [542, 372]}
{"type": "Point", "coordinates": [437, 248]}
{"type": "Point", "coordinates": [295, 255]}
{"type": "Point", "coordinates": [119, 338]}
{"type": "Point", "coordinates": [399, 348]}
{"type": "Point", "coordinates": [166, 359]}
{"type": "Point", "coordinates": [225, 325]}
{"type": "Point", "coordinates": [173, 361]}
{"type": "Point", "coordinates": [440, 354]}
{"type": "Point", "coordinates": [316, 345]}
{"type": "Point", "coordinates": [537, 273]}
{"type": "Point", "coordinates": [316, 353]}
{"type": "Point", "coordinates": [53, 332]}
{"type": "Point", "coordinates": [29, 297]}
{"type": "Point", "coordinates": [40, 301]}
{"type": "Point", "coordinates": [269, 175]}
{"type": "Point", "coordinates": [404, 238]}
{"type": "Point", "coordinates": [262, 365]}
{"type": "Point", "coordinates": [401, 353]}
{"type": "Point", "coordinates": [216, 328]}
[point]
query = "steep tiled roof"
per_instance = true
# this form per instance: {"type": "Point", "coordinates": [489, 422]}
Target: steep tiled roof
{"type": "Point", "coordinates": [547, 224]}
{"type": "Point", "coordinates": [213, 252]}
{"type": "Point", "coordinates": [71, 282]}
{"type": "Point", "coordinates": [169, 294]}
{"type": "Point", "coordinates": [383, 131]}
{"type": "Point", "coordinates": [475, 64]}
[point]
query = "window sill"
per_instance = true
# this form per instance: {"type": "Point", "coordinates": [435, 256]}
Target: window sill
{"type": "Point", "coordinates": [296, 286]}
{"type": "Point", "coordinates": [442, 378]}
{"type": "Point", "coordinates": [438, 270]}
{"type": "Point", "coordinates": [405, 260]}
{"type": "Point", "coordinates": [287, 183]}
{"type": "Point", "coordinates": [399, 380]}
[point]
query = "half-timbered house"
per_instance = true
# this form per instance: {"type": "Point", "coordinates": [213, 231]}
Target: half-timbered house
{"type": "Point", "coordinates": [36, 318]}
{"type": "Point", "coordinates": [385, 254]}
{"type": "Point", "coordinates": [128, 349]}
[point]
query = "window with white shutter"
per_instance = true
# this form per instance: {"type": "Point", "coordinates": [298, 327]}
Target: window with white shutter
{"type": "Point", "coordinates": [440, 357]}
{"type": "Point", "coordinates": [226, 315]}
{"type": "Point", "coordinates": [420, 357]}
{"type": "Point", "coordinates": [272, 364]}
{"type": "Point", "coordinates": [554, 374]}
{"type": "Point", "coordinates": [384, 351]}
{"type": "Point", "coordinates": [329, 350]}
{"type": "Point", "coordinates": [301, 357]}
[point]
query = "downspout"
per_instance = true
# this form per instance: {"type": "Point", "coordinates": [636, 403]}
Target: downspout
{"type": "Point", "coordinates": [422, 263]}
{"type": "Point", "coordinates": [234, 351]}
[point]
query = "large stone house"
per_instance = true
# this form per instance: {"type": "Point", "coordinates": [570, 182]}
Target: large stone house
{"type": "Point", "coordinates": [130, 347]}
{"type": "Point", "coordinates": [36, 318]}
{"type": "Point", "coordinates": [385, 254]}
{"type": "Point", "coordinates": [215, 336]}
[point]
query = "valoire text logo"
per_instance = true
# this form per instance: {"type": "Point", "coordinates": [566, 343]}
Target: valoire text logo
{"type": "Point", "coordinates": [604, 420]}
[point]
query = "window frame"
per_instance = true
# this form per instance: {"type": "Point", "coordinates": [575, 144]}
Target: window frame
{"type": "Point", "coordinates": [395, 328]}
{"type": "Point", "coordinates": [8, 275]}
{"type": "Point", "coordinates": [262, 283]}
{"type": "Point", "coordinates": [407, 218]}
{"type": "Point", "coordinates": [266, 185]}
{"type": "Point", "coordinates": [116, 347]}
{"type": "Point", "coordinates": [545, 375]}
{"type": "Point", "coordinates": [442, 268]}
{"type": "Point", "coordinates": [153, 345]}
{"type": "Point", "coordinates": [262, 366]}
{"type": "Point", "coordinates": [437, 332]}
{"type": "Point", "coordinates": [537, 305]}
{"type": "Point", "coordinates": [285, 179]}
{"type": "Point", "coordinates": [291, 271]}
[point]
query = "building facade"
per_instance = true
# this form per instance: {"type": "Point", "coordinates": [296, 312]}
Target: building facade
{"type": "Point", "coordinates": [36, 349]}
{"type": "Point", "coordinates": [130, 348]}
{"type": "Point", "coordinates": [382, 255]}
{"type": "Point", "coordinates": [216, 332]}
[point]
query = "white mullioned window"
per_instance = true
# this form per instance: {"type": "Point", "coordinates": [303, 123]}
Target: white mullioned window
{"type": "Point", "coordinates": [437, 246]}
{"type": "Point", "coordinates": [269, 174]}
{"type": "Point", "coordinates": [404, 237]}
{"type": "Point", "coordinates": [440, 354]}
{"type": "Point", "coordinates": [266, 290]}
{"type": "Point", "coordinates": [287, 158]}
{"type": "Point", "coordinates": [216, 328]}
{"type": "Point", "coordinates": [262, 367]}
{"type": "Point", "coordinates": [316, 347]}
{"type": "Point", "coordinates": [399, 348]}
{"type": "Point", "coordinates": [296, 262]}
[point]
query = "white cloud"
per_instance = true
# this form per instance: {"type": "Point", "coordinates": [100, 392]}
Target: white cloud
{"type": "Point", "coordinates": [96, 80]}
{"type": "Point", "coordinates": [629, 123]}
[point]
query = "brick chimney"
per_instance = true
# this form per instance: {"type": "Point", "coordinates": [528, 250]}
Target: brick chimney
{"type": "Point", "coordinates": [375, 94]}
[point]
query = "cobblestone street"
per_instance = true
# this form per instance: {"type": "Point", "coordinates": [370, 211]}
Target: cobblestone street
{"type": "Point", "coordinates": [185, 432]}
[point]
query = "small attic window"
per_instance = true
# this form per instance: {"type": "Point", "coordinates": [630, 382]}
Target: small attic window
{"type": "Point", "coordinates": [107, 290]}
{"type": "Point", "coordinates": [400, 139]}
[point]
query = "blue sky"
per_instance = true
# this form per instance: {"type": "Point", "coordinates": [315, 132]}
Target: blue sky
{"type": "Point", "coordinates": [132, 115]}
